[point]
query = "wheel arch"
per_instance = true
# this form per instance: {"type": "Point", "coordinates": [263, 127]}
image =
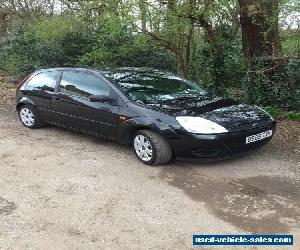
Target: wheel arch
{"type": "Point", "coordinates": [19, 105]}
{"type": "Point", "coordinates": [128, 135]}
{"type": "Point", "coordinates": [25, 101]}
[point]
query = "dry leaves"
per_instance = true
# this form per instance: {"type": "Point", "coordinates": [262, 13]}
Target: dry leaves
{"type": "Point", "coordinates": [7, 92]}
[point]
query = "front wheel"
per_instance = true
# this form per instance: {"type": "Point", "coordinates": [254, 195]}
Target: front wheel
{"type": "Point", "coordinates": [151, 149]}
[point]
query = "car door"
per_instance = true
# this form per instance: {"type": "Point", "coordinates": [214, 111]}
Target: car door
{"type": "Point", "coordinates": [39, 90]}
{"type": "Point", "coordinates": [73, 108]}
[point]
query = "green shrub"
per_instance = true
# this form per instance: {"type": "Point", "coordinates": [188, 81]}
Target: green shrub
{"type": "Point", "coordinates": [117, 46]}
{"type": "Point", "coordinates": [49, 42]}
{"type": "Point", "coordinates": [268, 84]}
{"type": "Point", "coordinates": [281, 114]}
{"type": "Point", "coordinates": [219, 71]}
{"type": "Point", "coordinates": [294, 116]}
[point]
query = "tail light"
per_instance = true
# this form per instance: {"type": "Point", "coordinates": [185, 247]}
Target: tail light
{"type": "Point", "coordinates": [19, 85]}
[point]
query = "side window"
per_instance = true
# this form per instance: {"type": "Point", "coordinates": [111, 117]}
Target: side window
{"type": "Point", "coordinates": [81, 84]}
{"type": "Point", "coordinates": [44, 81]}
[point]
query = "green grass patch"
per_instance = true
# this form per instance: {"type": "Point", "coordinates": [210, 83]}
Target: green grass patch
{"type": "Point", "coordinates": [281, 114]}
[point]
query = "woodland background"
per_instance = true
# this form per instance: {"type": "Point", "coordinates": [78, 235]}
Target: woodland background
{"type": "Point", "coordinates": [244, 49]}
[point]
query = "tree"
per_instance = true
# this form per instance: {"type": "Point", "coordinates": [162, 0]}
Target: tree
{"type": "Point", "coordinates": [259, 22]}
{"type": "Point", "coordinates": [267, 67]}
{"type": "Point", "coordinates": [25, 10]}
{"type": "Point", "coordinates": [171, 30]}
{"type": "Point", "coordinates": [3, 21]}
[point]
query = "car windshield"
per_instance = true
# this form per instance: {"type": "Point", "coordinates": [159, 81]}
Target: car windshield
{"type": "Point", "coordinates": [155, 87]}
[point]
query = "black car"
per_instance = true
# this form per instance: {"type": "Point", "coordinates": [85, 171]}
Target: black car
{"type": "Point", "coordinates": [159, 113]}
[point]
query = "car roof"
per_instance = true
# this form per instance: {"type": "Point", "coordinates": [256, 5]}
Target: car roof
{"type": "Point", "coordinates": [107, 70]}
{"type": "Point", "coordinates": [66, 69]}
{"type": "Point", "coordinates": [129, 70]}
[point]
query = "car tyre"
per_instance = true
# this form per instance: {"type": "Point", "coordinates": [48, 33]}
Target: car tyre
{"type": "Point", "coordinates": [29, 117]}
{"type": "Point", "coordinates": [151, 148]}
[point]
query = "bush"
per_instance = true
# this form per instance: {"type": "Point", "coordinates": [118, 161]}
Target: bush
{"type": "Point", "coordinates": [68, 41]}
{"type": "Point", "coordinates": [118, 46]}
{"type": "Point", "coordinates": [222, 70]}
{"type": "Point", "coordinates": [268, 84]}
{"type": "Point", "coordinates": [281, 114]}
{"type": "Point", "coordinates": [55, 42]}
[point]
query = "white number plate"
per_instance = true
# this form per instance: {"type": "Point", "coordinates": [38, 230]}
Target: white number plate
{"type": "Point", "coordinates": [258, 137]}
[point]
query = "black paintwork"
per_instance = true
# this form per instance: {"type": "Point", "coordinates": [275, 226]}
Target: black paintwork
{"type": "Point", "coordinates": [103, 119]}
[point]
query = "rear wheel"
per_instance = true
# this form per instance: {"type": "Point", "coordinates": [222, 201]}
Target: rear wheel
{"type": "Point", "coordinates": [151, 149]}
{"type": "Point", "coordinates": [29, 117]}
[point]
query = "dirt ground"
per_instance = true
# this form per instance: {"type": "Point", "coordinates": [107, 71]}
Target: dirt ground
{"type": "Point", "coordinates": [63, 190]}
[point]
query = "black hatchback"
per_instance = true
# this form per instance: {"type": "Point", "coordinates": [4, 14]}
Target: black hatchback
{"type": "Point", "coordinates": [159, 113]}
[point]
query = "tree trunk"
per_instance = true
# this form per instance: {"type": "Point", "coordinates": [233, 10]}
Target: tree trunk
{"type": "Point", "coordinates": [3, 23]}
{"type": "Point", "coordinates": [269, 83]}
{"type": "Point", "coordinates": [143, 13]}
{"type": "Point", "coordinates": [183, 66]}
{"type": "Point", "coordinates": [259, 22]}
{"type": "Point", "coordinates": [184, 47]}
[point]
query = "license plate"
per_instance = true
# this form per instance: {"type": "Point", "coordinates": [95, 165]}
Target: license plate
{"type": "Point", "coordinates": [259, 137]}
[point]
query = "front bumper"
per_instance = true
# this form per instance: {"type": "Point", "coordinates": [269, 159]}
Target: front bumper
{"type": "Point", "coordinates": [217, 145]}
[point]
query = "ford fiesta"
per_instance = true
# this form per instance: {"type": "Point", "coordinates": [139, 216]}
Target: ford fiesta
{"type": "Point", "coordinates": [160, 114]}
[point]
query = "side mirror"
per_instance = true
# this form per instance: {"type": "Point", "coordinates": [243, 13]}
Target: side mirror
{"type": "Point", "coordinates": [101, 98]}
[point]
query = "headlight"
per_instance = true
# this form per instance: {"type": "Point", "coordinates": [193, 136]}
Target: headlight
{"type": "Point", "coordinates": [200, 125]}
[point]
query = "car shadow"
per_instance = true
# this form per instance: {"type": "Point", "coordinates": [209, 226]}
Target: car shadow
{"type": "Point", "coordinates": [213, 162]}
{"type": "Point", "coordinates": [184, 162]}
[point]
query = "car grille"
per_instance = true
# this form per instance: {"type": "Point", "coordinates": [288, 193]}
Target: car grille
{"type": "Point", "coordinates": [246, 125]}
{"type": "Point", "coordinates": [205, 153]}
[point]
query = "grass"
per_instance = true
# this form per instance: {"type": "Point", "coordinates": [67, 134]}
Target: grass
{"type": "Point", "coordinates": [281, 114]}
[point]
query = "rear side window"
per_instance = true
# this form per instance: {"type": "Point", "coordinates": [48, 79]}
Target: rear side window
{"type": "Point", "coordinates": [84, 85]}
{"type": "Point", "coordinates": [44, 81]}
